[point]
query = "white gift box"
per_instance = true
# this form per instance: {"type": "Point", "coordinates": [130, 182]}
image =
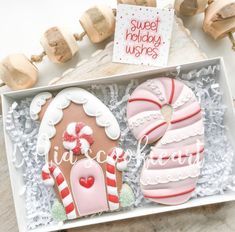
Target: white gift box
{"type": "Point", "coordinates": [17, 180]}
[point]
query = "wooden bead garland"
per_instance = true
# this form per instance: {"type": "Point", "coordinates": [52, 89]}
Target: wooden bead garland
{"type": "Point", "coordinates": [18, 72]}
{"type": "Point", "coordinates": [99, 23]}
{"type": "Point", "coordinates": [59, 44]}
{"type": "Point", "coordinates": [219, 19]}
{"type": "Point", "coordinates": [151, 3]}
{"type": "Point", "coordinates": [190, 7]}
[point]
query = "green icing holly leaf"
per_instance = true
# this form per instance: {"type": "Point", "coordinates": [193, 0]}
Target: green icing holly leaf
{"type": "Point", "coordinates": [127, 197]}
{"type": "Point", "coordinates": [58, 212]}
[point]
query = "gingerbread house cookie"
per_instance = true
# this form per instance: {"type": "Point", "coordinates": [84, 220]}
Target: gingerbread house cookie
{"type": "Point", "coordinates": [78, 136]}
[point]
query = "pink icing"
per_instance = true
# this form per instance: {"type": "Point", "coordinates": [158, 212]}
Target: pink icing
{"type": "Point", "coordinates": [146, 123]}
{"type": "Point", "coordinates": [167, 83]}
{"type": "Point", "coordinates": [88, 186]}
{"type": "Point", "coordinates": [168, 192]}
{"type": "Point", "coordinates": [154, 131]}
{"type": "Point", "coordinates": [191, 114]}
{"type": "Point", "coordinates": [183, 135]}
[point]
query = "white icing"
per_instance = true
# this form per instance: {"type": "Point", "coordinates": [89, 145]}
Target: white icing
{"type": "Point", "coordinates": [157, 88]}
{"type": "Point", "coordinates": [112, 190]}
{"type": "Point", "coordinates": [68, 199]}
{"type": "Point", "coordinates": [81, 142]}
{"type": "Point", "coordinates": [91, 105]}
{"type": "Point", "coordinates": [122, 166]}
{"type": "Point", "coordinates": [110, 175]}
{"type": "Point", "coordinates": [56, 172]}
{"type": "Point", "coordinates": [143, 117]}
{"type": "Point", "coordinates": [113, 206]}
{"type": "Point", "coordinates": [163, 176]}
{"type": "Point", "coordinates": [118, 151]}
{"type": "Point", "coordinates": [110, 160]}
{"type": "Point", "coordinates": [71, 215]}
{"type": "Point", "coordinates": [50, 181]}
{"type": "Point", "coordinates": [43, 144]}
{"type": "Point", "coordinates": [85, 146]}
{"type": "Point", "coordinates": [180, 134]}
{"type": "Point", "coordinates": [69, 145]}
{"type": "Point", "coordinates": [63, 185]}
{"type": "Point", "coordinates": [71, 128]}
{"type": "Point", "coordinates": [86, 130]}
{"type": "Point", "coordinates": [37, 103]}
{"type": "Point", "coordinates": [185, 96]}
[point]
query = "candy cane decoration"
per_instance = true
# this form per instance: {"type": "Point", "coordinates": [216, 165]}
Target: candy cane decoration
{"type": "Point", "coordinates": [116, 158]}
{"type": "Point", "coordinates": [78, 138]}
{"type": "Point", "coordinates": [52, 173]}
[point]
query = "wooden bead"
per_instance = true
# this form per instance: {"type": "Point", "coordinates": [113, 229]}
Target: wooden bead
{"type": "Point", "coordinates": [59, 45]}
{"type": "Point", "coordinates": [220, 18]}
{"type": "Point", "coordinates": [17, 72]}
{"type": "Point", "coordinates": [151, 3]}
{"type": "Point", "coordinates": [98, 22]}
{"type": "Point", "coordinates": [190, 7]}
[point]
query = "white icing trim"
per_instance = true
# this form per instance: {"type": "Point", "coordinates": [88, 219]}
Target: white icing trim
{"type": "Point", "coordinates": [163, 176]}
{"type": "Point", "coordinates": [157, 87]}
{"type": "Point", "coordinates": [186, 95]}
{"type": "Point", "coordinates": [37, 103]}
{"type": "Point", "coordinates": [143, 117]}
{"type": "Point", "coordinates": [178, 135]}
{"type": "Point", "coordinates": [92, 107]}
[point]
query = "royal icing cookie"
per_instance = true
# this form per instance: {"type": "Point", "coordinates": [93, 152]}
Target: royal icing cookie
{"type": "Point", "coordinates": [78, 136]}
{"type": "Point", "coordinates": [171, 170]}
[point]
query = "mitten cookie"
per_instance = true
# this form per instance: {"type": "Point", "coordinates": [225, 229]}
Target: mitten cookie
{"type": "Point", "coordinates": [78, 136]}
{"type": "Point", "coordinates": [171, 170]}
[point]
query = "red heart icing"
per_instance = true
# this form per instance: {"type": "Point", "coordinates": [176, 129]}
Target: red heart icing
{"type": "Point", "coordinates": [87, 182]}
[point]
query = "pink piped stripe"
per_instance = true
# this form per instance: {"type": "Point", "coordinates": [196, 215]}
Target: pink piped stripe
{"type": "Point", "coordinates": [155, 128]}
{"type": "Point", "coordinates": [172, 195]}
{"type": "Point", "coordinates": [186, 117]}
{"type": "Point", "coordinates": [172, 91]}
{"type": "Point", "coordinates": [146, 100]}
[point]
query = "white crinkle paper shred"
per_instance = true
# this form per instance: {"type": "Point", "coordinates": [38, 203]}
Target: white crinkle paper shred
{"type": "Point", "coordinates": [216, 175]}
{"type": "Point", "coordinates": [23, 133]}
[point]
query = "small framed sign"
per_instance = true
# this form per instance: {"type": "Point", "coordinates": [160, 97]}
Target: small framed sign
{"type": "Point", "coordinates": [142, 35]}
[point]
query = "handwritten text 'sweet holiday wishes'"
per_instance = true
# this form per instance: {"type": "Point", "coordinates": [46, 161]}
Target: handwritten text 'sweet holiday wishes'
{"type": "Point", "coordinates": [142, 35]}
